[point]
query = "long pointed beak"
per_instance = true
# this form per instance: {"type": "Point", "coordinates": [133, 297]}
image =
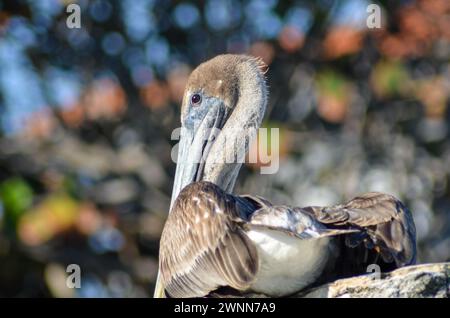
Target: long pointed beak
{"type": "Point", "coordinates": [193, 149]}
{"type": "Point", "coordinates": [195, 142]}
{"type": "Point", "coordinates": [189, 154]}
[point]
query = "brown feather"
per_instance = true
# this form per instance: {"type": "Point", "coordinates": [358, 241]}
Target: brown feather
{"type": "Point", "coordinates": [386, 220]}
{"type": "Point", "coordinates": [199, 254]}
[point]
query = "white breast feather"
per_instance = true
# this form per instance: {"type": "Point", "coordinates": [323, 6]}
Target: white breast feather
{"type": "Point", "coordinates": [287, 264]}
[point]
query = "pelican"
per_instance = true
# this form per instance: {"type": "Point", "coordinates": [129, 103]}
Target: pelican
{"type": "Point", "coordinates": [216, 242]}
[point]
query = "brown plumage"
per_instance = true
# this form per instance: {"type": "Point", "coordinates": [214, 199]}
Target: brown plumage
{"type": "Point", "coordinates": [207, 247]}
{"type": "Point", "coordinates": [221, 78]}
{"type": "Point", "coordinates": [386, 221]}
{"type": "Point", "coordinates": [212, 249]}
{"type": "Point", "coordinates": [214, 240]}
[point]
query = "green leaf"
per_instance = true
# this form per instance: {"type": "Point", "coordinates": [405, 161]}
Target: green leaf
{"type": "Point", "coordinates": [16, 196]}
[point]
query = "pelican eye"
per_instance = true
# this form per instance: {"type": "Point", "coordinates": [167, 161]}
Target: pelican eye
{"type": "Point", "coordinates": [196, 99]}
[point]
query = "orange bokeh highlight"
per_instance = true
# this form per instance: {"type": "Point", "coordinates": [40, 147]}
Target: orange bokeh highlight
{"type": "Point", "coordinates": [342, 40]}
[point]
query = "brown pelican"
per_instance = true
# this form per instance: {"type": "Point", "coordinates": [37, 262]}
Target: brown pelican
{"type": "Point", "coordinates": [214, 241]}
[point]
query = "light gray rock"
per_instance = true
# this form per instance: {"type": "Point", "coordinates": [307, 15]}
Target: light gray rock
{"type": "Point", "coordinates": [419, 281]}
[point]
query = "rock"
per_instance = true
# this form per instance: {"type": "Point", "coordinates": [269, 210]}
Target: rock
{"type": "Point", "coordinates": [426, 280]}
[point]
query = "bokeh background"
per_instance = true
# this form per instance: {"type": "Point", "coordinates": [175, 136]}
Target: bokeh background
{"type": "Point", "coordinates": [86, 117]}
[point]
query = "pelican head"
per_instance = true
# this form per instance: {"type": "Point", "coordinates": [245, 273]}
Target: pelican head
{"type": "Point", "coordinates": [223, 106]}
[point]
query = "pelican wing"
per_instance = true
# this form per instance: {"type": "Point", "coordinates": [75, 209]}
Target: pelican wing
{"type": "Point", "coordinates": [379, 220]}
{"type": "Point", "coordinates": [289, 220]}
{"type": "Point", "coordinates": [385, 220]}
{"type": "Point", "coordinates": [202, 245]}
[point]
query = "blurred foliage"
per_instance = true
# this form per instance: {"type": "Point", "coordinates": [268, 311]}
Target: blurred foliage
{"type": "Point", "coordinates": [390, 79]}
{"type": "Point", "coordinates": [86, 117]}
{"type": "Point", "coordinates": [16, 196]}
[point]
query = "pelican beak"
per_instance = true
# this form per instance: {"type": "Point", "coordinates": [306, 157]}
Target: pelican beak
{"type": "Point", "coordinates": [198, 133]}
